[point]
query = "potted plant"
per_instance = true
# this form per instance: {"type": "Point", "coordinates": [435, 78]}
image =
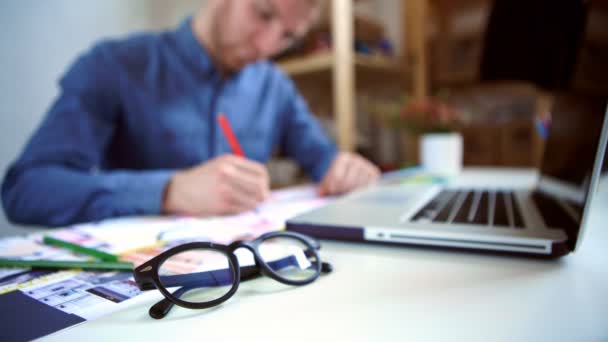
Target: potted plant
{"type": "Point", "coordinates": [435, 125]}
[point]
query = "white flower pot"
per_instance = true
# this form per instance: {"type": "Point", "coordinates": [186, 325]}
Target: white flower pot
{"type": "Point", "coordinates": [441, 153]}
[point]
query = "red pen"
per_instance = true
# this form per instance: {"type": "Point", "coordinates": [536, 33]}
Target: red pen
{"type": "Point", "coordinates": [234, 143]}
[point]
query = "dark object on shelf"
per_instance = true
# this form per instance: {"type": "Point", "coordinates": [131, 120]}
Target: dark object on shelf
{"type": "Point", "coordinates": [534, 41]}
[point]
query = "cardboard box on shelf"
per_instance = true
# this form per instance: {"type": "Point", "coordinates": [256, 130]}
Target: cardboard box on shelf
{"type": "Point", "coordinates": [509, 144]}
{"type": "Point", "coordinates": [517, 143]}
{"type": "Point", "coordinates": [499, 127]}
{"type": "Point", "coordinates": [481, 145]}
{"type": "Point", "coordinates": [456, 37]}
{"type": "Point", "coordinates": [456, 61]}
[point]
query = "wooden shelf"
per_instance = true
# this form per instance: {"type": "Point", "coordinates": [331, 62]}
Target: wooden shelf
{"type": "Point", "coordinates": [308, 64]}
{"type": "Point", "coordinates": [345, 70]}
{"type": "Point", "coordinates": [324, 62]}
{"type": "Point", "coordinates": [380, 63]}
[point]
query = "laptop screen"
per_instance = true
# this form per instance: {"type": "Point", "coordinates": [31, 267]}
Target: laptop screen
{"type": "Point", "coordinates": [571, 150]}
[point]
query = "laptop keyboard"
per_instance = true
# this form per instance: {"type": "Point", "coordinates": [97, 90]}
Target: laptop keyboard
{"type": "Point", "coordinates": [552, 213]}
{"type": "Point", "coordinates": [481, 207]}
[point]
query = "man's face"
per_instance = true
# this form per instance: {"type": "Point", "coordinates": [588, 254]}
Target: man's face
{"type": "Point", "coordinates": [245, 31]}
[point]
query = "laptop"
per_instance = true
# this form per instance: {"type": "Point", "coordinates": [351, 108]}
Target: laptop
{"type": "Point", "coordinates": [541, 213]}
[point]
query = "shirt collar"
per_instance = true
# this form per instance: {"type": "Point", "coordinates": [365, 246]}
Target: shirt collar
{"type": "Point", "coordinates": [192, 49]}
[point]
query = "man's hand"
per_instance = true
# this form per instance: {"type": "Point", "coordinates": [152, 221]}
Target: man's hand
{"type": "Point", "coordinates": [348, 171]}
{"type": "Point", "coordinates": [225, 185]}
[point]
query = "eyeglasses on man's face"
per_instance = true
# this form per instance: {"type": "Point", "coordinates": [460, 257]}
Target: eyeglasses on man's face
{"type": "Point", "coordinates": [201, 275]}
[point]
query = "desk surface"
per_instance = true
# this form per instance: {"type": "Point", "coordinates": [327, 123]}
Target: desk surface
{"type": "Point", "coordinates": [395, 293]}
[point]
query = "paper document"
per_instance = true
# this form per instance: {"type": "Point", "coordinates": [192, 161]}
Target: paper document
{"type": "Point", "coordinates": [76, 296]}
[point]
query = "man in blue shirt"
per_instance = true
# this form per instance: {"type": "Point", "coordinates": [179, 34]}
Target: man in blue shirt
{"type": "Point", "coordinates": [134, 130]}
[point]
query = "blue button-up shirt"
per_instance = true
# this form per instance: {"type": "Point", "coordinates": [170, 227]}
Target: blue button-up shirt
{"type": "Point", "coordinates": [132, 112]}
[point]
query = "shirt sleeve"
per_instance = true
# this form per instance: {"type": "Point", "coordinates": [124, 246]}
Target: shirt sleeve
{"type": "Point", "coordinates": [58, 179]}
{"type": "Point", "coordinates": [304, 139]}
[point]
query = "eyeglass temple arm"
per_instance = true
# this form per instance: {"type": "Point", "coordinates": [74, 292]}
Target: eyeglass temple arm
{"type": "Point", "coordinates": [162, 307]}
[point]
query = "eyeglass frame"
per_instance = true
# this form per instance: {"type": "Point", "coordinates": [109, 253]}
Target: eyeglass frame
{"type": "Point", "coordinates": [147, 277]}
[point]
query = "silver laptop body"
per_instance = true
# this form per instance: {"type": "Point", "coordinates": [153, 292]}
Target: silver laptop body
{"type": "Point", "coordinates": [517, 211]}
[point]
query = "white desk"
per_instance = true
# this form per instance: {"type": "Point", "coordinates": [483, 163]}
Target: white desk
{"type": "Point", "coordinates": [383, 293]}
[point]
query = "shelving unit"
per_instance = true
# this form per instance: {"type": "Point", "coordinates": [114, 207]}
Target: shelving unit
{"type": "Point", "coordinates": [344, 64]}
{"type": "Point", "coordinates": [321, 62]}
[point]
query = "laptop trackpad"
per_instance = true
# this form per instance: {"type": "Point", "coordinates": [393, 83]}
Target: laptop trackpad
{"type": "Point", "coordinates": [398, 196]}
{"type": "Point", "coordinates": [381, 205]}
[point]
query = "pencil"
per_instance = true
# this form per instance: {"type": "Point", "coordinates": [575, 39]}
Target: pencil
{"type": "Point", "coordinates": [234, 143]}
{"type": "Point", "coordinates": [47, 240]}
{"type": "Point", "coordinates": [232, 140]}
{"type": "Point", "coordinates": [68, 264]}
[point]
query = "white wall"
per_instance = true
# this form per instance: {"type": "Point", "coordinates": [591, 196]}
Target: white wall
{"type": "Point", "coordinates": [40, 39]}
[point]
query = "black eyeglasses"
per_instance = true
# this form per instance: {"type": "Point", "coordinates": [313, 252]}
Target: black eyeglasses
{"type": "Point", "coordinates": [201, 275]}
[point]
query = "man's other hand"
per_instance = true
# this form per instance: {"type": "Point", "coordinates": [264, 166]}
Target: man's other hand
{"type": "Point", "coordinates": [225, 185]}
{"type": "Point", "coordinates": [348, 171]}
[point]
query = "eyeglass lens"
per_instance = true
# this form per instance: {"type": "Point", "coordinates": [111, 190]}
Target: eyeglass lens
{"type": "Point", "coordinates": [197, 275]}
{"type": "Point", "coordinates": [289, 258]}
